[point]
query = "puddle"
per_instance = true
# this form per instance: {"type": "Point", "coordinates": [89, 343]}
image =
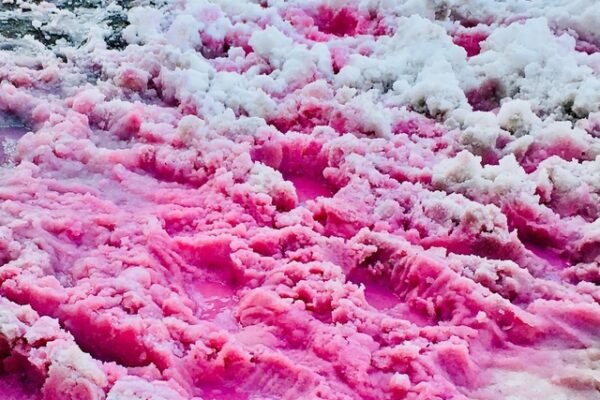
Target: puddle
{"type": "Point", "coordinates": [380, 296]}
{"type": "Point", "coordinates": [214, 298]}
{"type": "Point", "coordinates": [309, 188]}
{"type": "Point", "coordinates": [377, 293]}
{"type": "Point", "coordinates": [547, 256]}
{"type": "Point", "coordinates": [217, 392]}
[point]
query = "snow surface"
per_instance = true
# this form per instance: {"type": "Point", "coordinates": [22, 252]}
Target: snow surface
{"type": "Point", "coordinates": [305, 199]}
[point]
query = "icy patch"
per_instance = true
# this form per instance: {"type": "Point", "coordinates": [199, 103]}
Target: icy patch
{"type": "Point", "coordinates": [11, 130]}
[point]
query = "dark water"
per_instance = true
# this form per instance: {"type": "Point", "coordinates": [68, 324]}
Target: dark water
{"type": "Point", "coordinates": [16, 22]}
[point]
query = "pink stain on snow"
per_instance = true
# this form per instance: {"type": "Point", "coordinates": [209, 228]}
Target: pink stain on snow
{"type": "Point", "coordinates": [324, 23]}
{"type": "Point", "coordinates": [486, 97]}
{"type": "Point", "coordinates": [470, 41]}
{"type": "Point", "coordinates": [587, 47]}
{"type": "Point", "coordinates": [337, 22]}
{"type": "Point", "coordinates": [15, 387]}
